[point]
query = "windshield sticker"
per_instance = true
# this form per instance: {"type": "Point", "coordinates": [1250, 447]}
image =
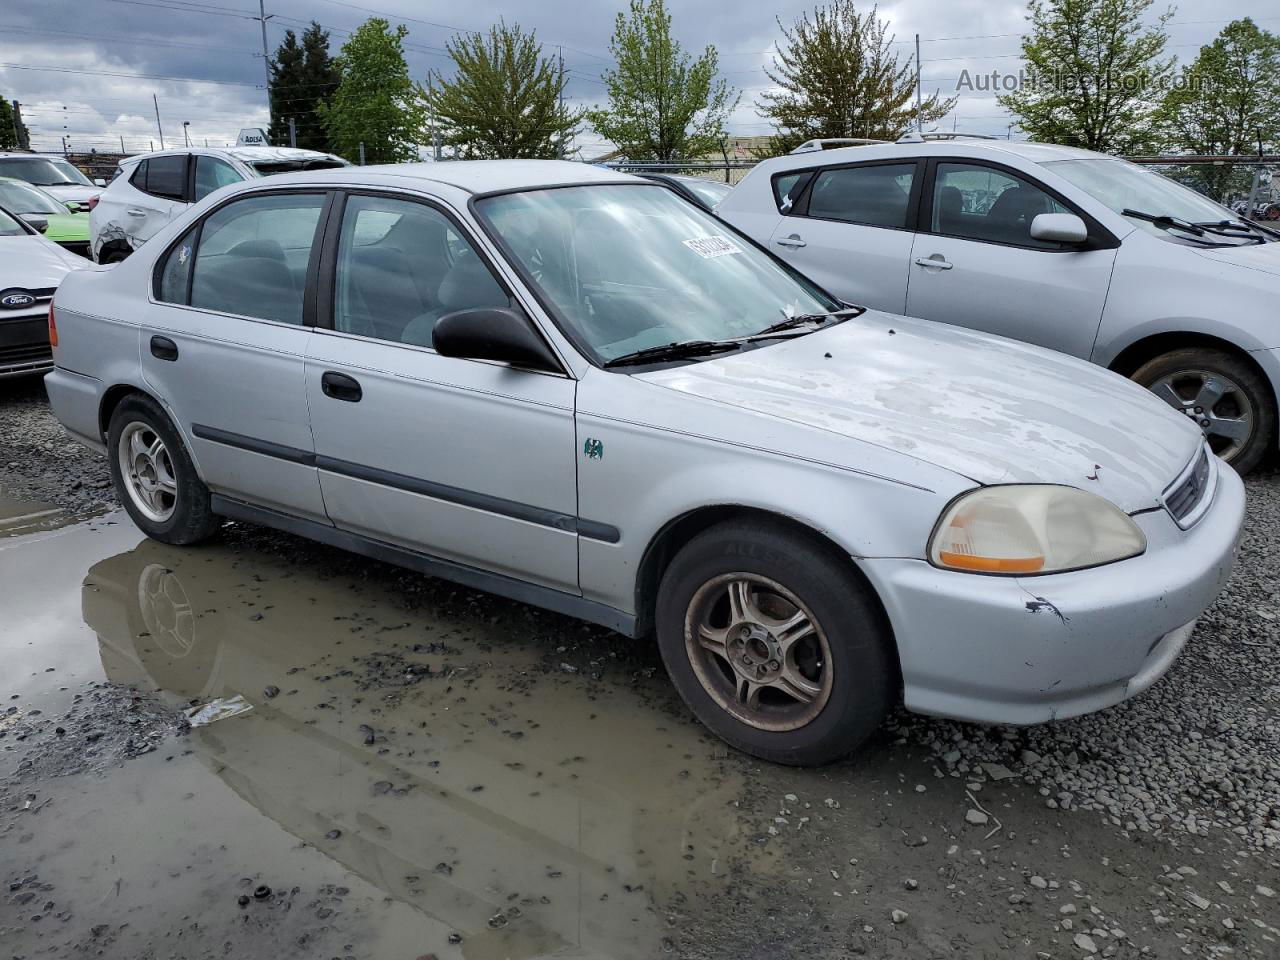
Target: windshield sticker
{"type": "Point", "coordinates": [709, 247]}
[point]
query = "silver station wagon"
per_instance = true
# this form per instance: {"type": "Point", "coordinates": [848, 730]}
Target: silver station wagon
{"type": "Point", "coordinates": [572, 387]}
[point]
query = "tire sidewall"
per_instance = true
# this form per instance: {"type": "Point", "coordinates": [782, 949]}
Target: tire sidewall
{"type": "Point", "coordinates": [862, 685]}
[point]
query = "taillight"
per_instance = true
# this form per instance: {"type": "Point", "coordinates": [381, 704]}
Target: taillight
{"type": "Point", "coordinates": [53, 328]}
{"type": "Point", "coordinates": [93, 201]}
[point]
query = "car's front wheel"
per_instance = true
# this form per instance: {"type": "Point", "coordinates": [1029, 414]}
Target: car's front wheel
{"type": "Point", "coordinates": [1222, 394]}
{"type": "Point", "coordinates": [775, 643]}
{"type": "Point", "coordinates": [154, 476]}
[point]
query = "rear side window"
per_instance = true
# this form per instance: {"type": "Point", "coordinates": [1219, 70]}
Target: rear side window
{"type": "Point", "coordinates": [787, 188]}
{"type": "Point", "coordinates": [164, 177]}
{"type": "Point", "coordinates": [877, 195]}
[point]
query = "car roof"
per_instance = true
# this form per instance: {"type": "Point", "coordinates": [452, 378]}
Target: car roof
{"type": "Point", "coordinates": [245, 154]}
{"type": "Point", "coordinates": [471, 176]}
{"type": "Point", "coordinates": [952, 146]}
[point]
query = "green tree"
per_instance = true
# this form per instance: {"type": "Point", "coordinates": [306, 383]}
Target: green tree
{"type": "Point", "coordinates": [504, 99]}
{"type": "Point", "coordinates": [1095, 74]}
{"type": "Point", "coordinates": [303, 76]}
{"type": "Point", "coordinates": [376, 103]}
{"type": "Point", "coordinates": [663, 104]}
{"type": "Point", "coordinates": [12, 134]}
{"type": "Point", "coordinates": [1225, 104]}
{"type": "Point", "coordinates": [836, 76]}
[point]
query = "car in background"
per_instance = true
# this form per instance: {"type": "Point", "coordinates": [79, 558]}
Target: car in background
{"type": "Point", "coordinates": [31, 268]}
{"type": "Point", "coordinates": [57, 176]}
{"type": "Point", "coordinates": [69, 230]}
{"type": "Point", "coordinates": [150, 189]}
{"type": "Point", "coordinates": [1068, 249]}
{"type": "Point", "coordinates": [705, 193]}
{"type": "Point", "coordinates": [568, 386]}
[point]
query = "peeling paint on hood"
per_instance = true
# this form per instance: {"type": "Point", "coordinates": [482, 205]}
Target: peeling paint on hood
{"type": "Point", "coordinates": [990, 409]}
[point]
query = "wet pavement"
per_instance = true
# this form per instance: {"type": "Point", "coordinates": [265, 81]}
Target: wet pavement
{"type": "Point", "coordinates": [429, 771]}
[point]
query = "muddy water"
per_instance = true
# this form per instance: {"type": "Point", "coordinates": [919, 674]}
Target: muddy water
{"type": "Point", "coordinates": [404, 776]}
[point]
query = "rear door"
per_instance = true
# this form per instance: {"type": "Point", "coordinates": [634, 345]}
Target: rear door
{"type": "Point", "coordinates": [157, 191]}
{"type": "Point", "coordinates": [850, 230]}
{"type": "Point", "coordinates": [976, 265]}
{"type": "Point", "coordinates": [225, 346]}
{"type": "Point", "coordinates": [467, 460]}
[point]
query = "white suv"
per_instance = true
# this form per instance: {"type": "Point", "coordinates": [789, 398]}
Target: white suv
{"type": "Point", "coordinates": [1073, 250]}
{"type": "Point", "coordinates": [150, 189]}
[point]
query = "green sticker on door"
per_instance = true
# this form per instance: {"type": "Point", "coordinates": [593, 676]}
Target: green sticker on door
{"type": "Point", "coordinates": [593, 449]}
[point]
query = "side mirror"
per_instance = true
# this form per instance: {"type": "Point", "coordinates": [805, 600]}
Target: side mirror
{"type": "Point", "coordinates": [99, 182]}
{"type": "Point", "coordinates": [1059, 228]}
{"type": "Point", "coordinates": [492, 333]}
{"type": "Point", "coordinates": [38, 223]}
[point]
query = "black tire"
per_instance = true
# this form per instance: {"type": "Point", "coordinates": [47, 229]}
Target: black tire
{"type": "Point", "coordinates": [1244, 455]}
{"type": "Point", "coordinates": [863, 674]}
{"type": "Point", "coordinates": [115, 255]}
{"type": "Point", "coordinates": [191, 519]}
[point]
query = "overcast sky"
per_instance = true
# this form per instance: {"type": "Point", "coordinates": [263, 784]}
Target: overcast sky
{"type": "Point", "coordinates": [87, 69]}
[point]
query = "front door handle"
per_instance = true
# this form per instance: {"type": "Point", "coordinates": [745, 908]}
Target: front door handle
{"type": "Point", "coordinates": [162, 348]}
{"type": "Point", "coordinates": [937, 262]}
{"type": "Point", "coordinates": [791, 241]}
{"type": "Point", "coordinates": [341, 387]}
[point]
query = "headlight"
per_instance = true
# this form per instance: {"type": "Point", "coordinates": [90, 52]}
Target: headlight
{"type": "Point", "coordinates": [1031, 529]}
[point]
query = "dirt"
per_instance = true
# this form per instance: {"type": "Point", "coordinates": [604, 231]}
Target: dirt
{"type": "Point", "coordinates": [430, 771]}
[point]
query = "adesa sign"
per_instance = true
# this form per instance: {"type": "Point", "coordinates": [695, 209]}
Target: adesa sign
{"type": "Point", "coordinates": [252, 137]}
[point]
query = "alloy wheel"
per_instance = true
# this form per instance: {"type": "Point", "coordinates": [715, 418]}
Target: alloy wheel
{"type": "Point", "coordinates": [1217, 405]}
{"type": "Point", "coordinates": [147, 471]}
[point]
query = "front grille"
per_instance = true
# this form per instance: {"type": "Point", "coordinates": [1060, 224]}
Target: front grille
{"type": "Point", "coordinates": [1189, 491]}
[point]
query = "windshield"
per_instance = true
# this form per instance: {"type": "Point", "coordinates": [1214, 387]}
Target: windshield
{"type": "Point", "coordinates": [708, 191]}
{"type": "Point", "coordinates": [1127, 186]}
{"type": "Point", "coordinates": [23, 198]}
{"type": "Point", "coordinates": [626, 267]}
{"type": "Point", "coordinates": [43, 171]}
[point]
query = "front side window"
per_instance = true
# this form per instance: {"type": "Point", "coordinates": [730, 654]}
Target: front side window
{"type": "Point", "coordinates": [977, 202]}
{"type": "Point", "coordinates": [630, 267]}
{"type": "Point", "coordinates": [878, 195]}
{"type": "Point", "coordinates": [401, 267]}
{"type": "Point", "coordinates": [211, 174]}
{"type": "Point", "coordinates": [252, 256]}
{"type": "Point", "coordinates": [43, 171]}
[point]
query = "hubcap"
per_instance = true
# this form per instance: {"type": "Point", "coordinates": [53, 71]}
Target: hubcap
{"type": "Point", "coordinates": [758, 651]}
{"type": "Point", "coordinates": [1216, 404]}
{"type": "Point", "coordinates": [148, 472]}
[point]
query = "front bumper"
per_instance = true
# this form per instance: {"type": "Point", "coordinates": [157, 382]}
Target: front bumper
{"type": "Point", "coordinates": [1032, 649]}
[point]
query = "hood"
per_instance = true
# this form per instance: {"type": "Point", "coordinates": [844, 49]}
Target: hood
{"type": "Point", "coordinates": [1256, 256]}
{"type": "Point", "coordinates": [72, 191]}
{"type": "Point", "coordinates": [68, 228]}
{"type": "Point", "coordinates": [34, 263]}
{"type": "Point", "coordinates": [990, 409]}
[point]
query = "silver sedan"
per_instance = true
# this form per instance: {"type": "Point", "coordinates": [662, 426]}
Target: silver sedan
{"type": "Point", "coordinates": [569, 386]}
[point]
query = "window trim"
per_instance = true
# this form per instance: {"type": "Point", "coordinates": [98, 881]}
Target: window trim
{"type": "Point", "coordinates": [800, 209]}
{"type": "Point", "coordinates": [327, 273]}
{"type": "Point", "coordinates": [1100, 238]}
{"type": "Point", "coordinates": [327, 195]}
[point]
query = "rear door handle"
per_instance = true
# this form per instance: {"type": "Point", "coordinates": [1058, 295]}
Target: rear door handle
{"type": "Point", "coordinates": [136, 213]}
{"type": "Point", "coordinates": [936, 261]}
{"type": "Point", "coordinates": [791, 241]}
{"type": "Point", "coordinates": [341, 387]}
{"type": "Point", "coordinates": [162, 348]}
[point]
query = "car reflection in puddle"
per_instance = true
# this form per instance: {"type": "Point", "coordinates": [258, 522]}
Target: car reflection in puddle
{"type": "Point", "coordinates": [435, 755]}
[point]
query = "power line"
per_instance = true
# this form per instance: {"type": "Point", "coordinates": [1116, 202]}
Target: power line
{"type": "Point", "coordinates": [131, 76]}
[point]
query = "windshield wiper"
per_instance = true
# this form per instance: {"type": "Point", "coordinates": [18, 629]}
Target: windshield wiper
{"type": "Point", "coordinates": [800, 320]}
{"type": "Point", "coordinates": [686, 350]}
{"type": "Point", "coordinates": [1240, 228]}
{"type": "Point", "coordinates": [1165, 221]}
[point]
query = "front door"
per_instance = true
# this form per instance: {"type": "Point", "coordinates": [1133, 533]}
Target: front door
{"type": "Point", "coordinates": [978, 266]}
{"type": "Point", "coordinates": [465, 460]}
{"type": "Point", "coordinates": [225, 348]}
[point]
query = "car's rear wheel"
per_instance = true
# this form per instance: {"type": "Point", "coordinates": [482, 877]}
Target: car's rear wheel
{"type": "Point", "coordinates": [1222, 394]}
{"type": "Point", "coordinates": [154, 476]}
{"type": "Point", "coordinates": [115, 255]}
{"type": "Point", "coordinates": [775, 643]}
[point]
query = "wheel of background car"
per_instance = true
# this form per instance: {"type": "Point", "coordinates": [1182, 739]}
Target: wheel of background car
{"type": "Point", "coordinates": [154, 476]}
{"type": "Point", "coordinates": [114, 256]}
{"type": "Point", "coordinates": [775, 643]}
{"type": "Point", "coordinates": [1222, 394]}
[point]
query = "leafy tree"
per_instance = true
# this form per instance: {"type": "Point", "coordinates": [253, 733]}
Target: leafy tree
{"type": "Point", "coordinates": [303, 76]}
{"type": "Point", "coordinates": [1096, 74]}
{"type": "Point", "coordinates": [837, 76]}
{"type": "Point", "coordinates": [12, 132]}
{"type": "Point", "coordinates": [376, 103]}
{"type": "Point", "coordinates": [1225, 104]}
{"type": "Point", "coordinates": [663, 104]}
{"type": "Point", "coordinates": [504, 98]}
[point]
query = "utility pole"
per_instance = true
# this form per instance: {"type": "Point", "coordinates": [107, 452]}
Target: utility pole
{"type": "Point", "coordinates": [266, 56]}
{"type": "Point", "coordinates": [293, 132]}
{"type": "Point", "coordinates": [122, 143]}
{"type": "Point", "coordinates": [919, 95]}
{"type": "Point", "coordinates": [159, 129]}
{"type": "Point", "coordinates": [362, 153]}
{"type": "Point", "coordinates": [560, 116]}
{"type": "Point", "coordinates": [186, 137]}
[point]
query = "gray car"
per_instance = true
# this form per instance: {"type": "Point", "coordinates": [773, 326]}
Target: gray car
{"type": "Point", "coordinates": [569, 386]}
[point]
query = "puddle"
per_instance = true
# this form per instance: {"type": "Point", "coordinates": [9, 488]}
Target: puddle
{"type": "Point", "coordinates": [20, 518]}
{"type": "Point", "coordinates": [442, 761]}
